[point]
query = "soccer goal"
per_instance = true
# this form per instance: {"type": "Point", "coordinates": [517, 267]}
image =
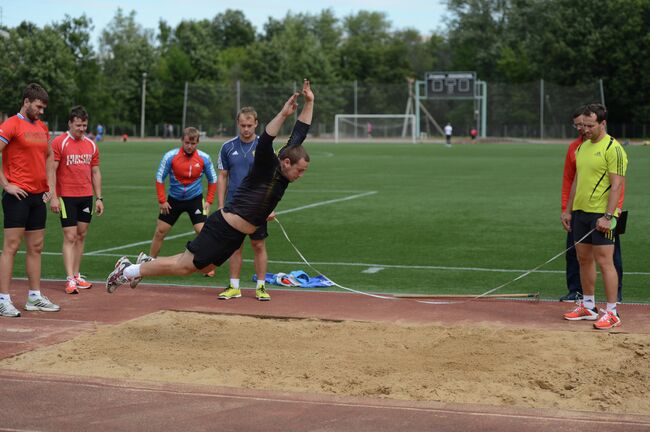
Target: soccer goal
{"type": "Point", "coordinates": [366, 127]}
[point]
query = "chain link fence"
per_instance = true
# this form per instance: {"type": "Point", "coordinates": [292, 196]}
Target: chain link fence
{"type": "Point", "coordinates": [535, 110]}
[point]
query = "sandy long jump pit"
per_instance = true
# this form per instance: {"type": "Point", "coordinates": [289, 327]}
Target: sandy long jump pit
{"type": "Point", "coordinates": [590, 371]}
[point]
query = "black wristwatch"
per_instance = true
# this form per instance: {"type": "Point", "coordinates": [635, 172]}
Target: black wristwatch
{"type": "Point", "coordinates": [608, 216]}
{"type": "Point", "coordinates": [99, 199]}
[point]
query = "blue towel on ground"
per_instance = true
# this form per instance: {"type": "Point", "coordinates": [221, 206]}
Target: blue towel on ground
{"type": "Point", "coordinates": [296, 278]}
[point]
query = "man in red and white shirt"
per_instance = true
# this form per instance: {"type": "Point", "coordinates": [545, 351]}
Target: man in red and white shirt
{"type": "Point", "coordinates": [76, 173]}
{"type": "Point", "coordinates": [23, 178]}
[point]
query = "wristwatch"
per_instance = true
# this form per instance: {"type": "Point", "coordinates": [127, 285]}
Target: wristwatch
{"type": "Point", "coordinates": [102, 199]}
{"type": "Point", "coordinates": [608, 216]}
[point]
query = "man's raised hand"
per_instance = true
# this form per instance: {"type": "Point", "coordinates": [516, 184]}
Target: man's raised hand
{"type": "Point", "coordinates": [291, 105]}
{"type": "Point", "coordinates": [306, 91]}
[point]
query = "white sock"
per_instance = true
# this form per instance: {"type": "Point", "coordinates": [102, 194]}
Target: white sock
{"type": "Point", "coordinates": [5, 298]}
{"type": "Point", "coordinates": [132, 271]}
{"type": "Point", "coordinates": [234, 283]}
{"type": "Point", "coordinates": [611, 307]}
{"type": "Point", "coordinates": [34, 294]}
{"type": "Point", "coordinates": [589, 301]}
{"type": "Point", "coordinates": [260, 283]}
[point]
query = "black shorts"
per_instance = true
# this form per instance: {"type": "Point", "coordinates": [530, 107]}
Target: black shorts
{"type": "Point", "coordinates": [216, 242]}
{"type": "Point", "coordinates": [193, 207]}
{"type": "Point", "coordinates": [261, 233]}
{"type": "Point", "coordinates": [583, 222]}
{"type": "Point", "coordinates": [75, 209]}
{"type": "Point", "coordinates": [29, 213]}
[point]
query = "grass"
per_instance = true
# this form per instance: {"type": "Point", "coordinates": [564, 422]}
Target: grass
{"type": "Point", "coordinates": [456, 220]}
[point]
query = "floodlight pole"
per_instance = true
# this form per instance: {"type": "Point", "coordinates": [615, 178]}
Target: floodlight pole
{"type": "Point", "coordinates": [144, 97]}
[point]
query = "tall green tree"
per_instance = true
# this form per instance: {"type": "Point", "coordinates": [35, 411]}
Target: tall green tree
{"type": "Point", "coordinates": [126, 53]}
{"type": "Point", "coordinates": [31, 54]}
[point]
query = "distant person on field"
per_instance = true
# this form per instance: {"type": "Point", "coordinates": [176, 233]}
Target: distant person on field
{"type": "Point", "coordinates": [448, 131]}
{"type": "Point", "coordinates": [572, 267]}
{"type": "Point", "coordinates": [601, 164]}
{"type": "Point", "coordinates": [235, 162]}
{"type": "Point", "coordinates": [100, 133]}
{"type": "Point", "coordinates": [185, 167]}
{"type": "Point", "coordinates": [473, 133]}
{"type": "Point", "coordinates": [76, 173]}
{"type": "Point", "coordinates": [25, 155]}
{"type": "Point", "coordinates": [251, 206]}
{"type": "Point", "coordinates": [369, 129]}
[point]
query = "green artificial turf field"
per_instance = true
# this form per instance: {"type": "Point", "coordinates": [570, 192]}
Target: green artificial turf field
{"type": "Point", "coordinates": [393, 218]}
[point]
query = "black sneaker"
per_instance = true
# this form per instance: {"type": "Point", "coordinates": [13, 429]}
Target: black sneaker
{"type": "Point", "coordinates": [571, 297]}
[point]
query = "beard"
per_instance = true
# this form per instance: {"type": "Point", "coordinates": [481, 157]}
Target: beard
{"type": "Point", "coordinates": [32, 113]}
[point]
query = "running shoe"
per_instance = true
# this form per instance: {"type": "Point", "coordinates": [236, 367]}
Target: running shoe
{"type": "Point", "coordinates": [117, 278]}
{"type": "Point", "coordinates": [7, 309]}
{"type": "Point", "coordinates": [42, 304]}
{"type": "Point", "coordinates": [211, 273]}
{"type": "Point", "coordinates": [261, 294]}
{"type": "Point", "coordinates": [230, 293]}
{"type": "Point", "coordinates": [142, 258]}
{"type": "Point", "coordinates": [582, 313]}
{"type": "Point", "coordinates": [607, 321]}
{"type": "Point", "coordinates": [82, 283]}
{"type": "Point", "coordinates": [71, 286]}
{"type": "Point", "coordinates": [572, 297]}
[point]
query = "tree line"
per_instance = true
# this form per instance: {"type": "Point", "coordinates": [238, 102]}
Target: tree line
{"type": "Point", "coordinates": [568, 42]}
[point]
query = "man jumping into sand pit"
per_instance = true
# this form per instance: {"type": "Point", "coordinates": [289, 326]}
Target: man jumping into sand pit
{"type": "Point", "coordinates": [256, 198]}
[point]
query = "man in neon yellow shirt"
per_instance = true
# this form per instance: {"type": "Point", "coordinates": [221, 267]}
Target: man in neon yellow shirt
{"type": "Point", "coordinates": [601, 164]}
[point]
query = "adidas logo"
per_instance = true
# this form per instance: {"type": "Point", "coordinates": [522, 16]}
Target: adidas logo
{"type": "Point", "coordinates": [86, 210]}
{"type": "Point", "coordinates": [597, 154]}
{"type": "Point", "coordinates": [197, 211]}
{"type": "Point", "coordinates": [196, 165]}
{"type": "Point", "coordinates": [235, 153]}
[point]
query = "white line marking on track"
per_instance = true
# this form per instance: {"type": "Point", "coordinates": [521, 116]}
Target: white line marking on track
{"type": "Point", "coordinates": [351, 197]}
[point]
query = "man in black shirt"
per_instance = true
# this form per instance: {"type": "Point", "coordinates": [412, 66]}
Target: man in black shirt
{"type": "Point", "coordinates": [253, 203]}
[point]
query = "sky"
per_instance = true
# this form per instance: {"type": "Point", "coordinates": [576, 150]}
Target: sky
{"type": "Point", "coordinates": [423, 15]}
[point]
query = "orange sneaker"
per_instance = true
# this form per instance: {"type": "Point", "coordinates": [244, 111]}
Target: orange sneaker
{"type": "Point", "coordinates": [71, 286]}
{"type": "Point", "coordinates": [581, 313]}
{"type": "Point", "coordinates": [82, 283]}
{"type": "Point", "coordinates": [607, 321]}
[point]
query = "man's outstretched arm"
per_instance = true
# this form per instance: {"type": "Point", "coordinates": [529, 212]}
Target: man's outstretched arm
{"type": "Point", "coordinates": [308, 110]}
{"type": "Point", "coordinates": [290, 106]}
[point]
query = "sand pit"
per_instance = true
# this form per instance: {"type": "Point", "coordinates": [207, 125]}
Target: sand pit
{"type": "Point", "coordinates": [488, 365]}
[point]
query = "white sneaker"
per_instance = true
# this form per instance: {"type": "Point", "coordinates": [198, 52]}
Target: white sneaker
{"type": "Point", "coordinates": [7, 309]}
{"type": "Point", "coordinates": [42, 304]}
{"type": "Point", "coordinates": [142, 258]}
{"type": "Point", "coordinates": [116, 277]}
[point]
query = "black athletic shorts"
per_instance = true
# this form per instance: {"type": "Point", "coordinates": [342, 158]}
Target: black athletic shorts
{"type": "Point", "coordinates": [583, 222]}
{"type": "Point", "coordinates": [29, 213]}
{"type": "Point", "coordinates": [75, 209]}
{"type": "Point", "coordinates": [193, 207]}
{"type": "Point", "coordinates": [216, 242]}
{"type": "Point", "coordinates": [261, 233]}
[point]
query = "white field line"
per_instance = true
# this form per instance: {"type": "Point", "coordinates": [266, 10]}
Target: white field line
{"type": "Point", "coordinates": [351, 197]}
{"type": "Point", "coordinates": [387, 266]}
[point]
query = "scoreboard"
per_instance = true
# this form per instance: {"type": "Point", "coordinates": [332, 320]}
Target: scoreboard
{"type": "Point", "coordinates": [450, 84]}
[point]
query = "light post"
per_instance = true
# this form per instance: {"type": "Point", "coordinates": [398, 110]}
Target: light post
{"type": "Point", "coordinates": [144, 97]}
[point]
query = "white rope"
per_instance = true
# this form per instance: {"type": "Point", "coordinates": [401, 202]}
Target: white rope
{"type": "Point", "coordinates": [521, 276]}
{"type": "Point", "coordinates": [321, 273]}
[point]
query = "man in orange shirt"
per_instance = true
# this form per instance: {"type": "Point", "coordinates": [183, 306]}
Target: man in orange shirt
{"type": "Point", "coordinates": [75, 172]}
{"type": "Point", "coordinates": [25, 153]}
